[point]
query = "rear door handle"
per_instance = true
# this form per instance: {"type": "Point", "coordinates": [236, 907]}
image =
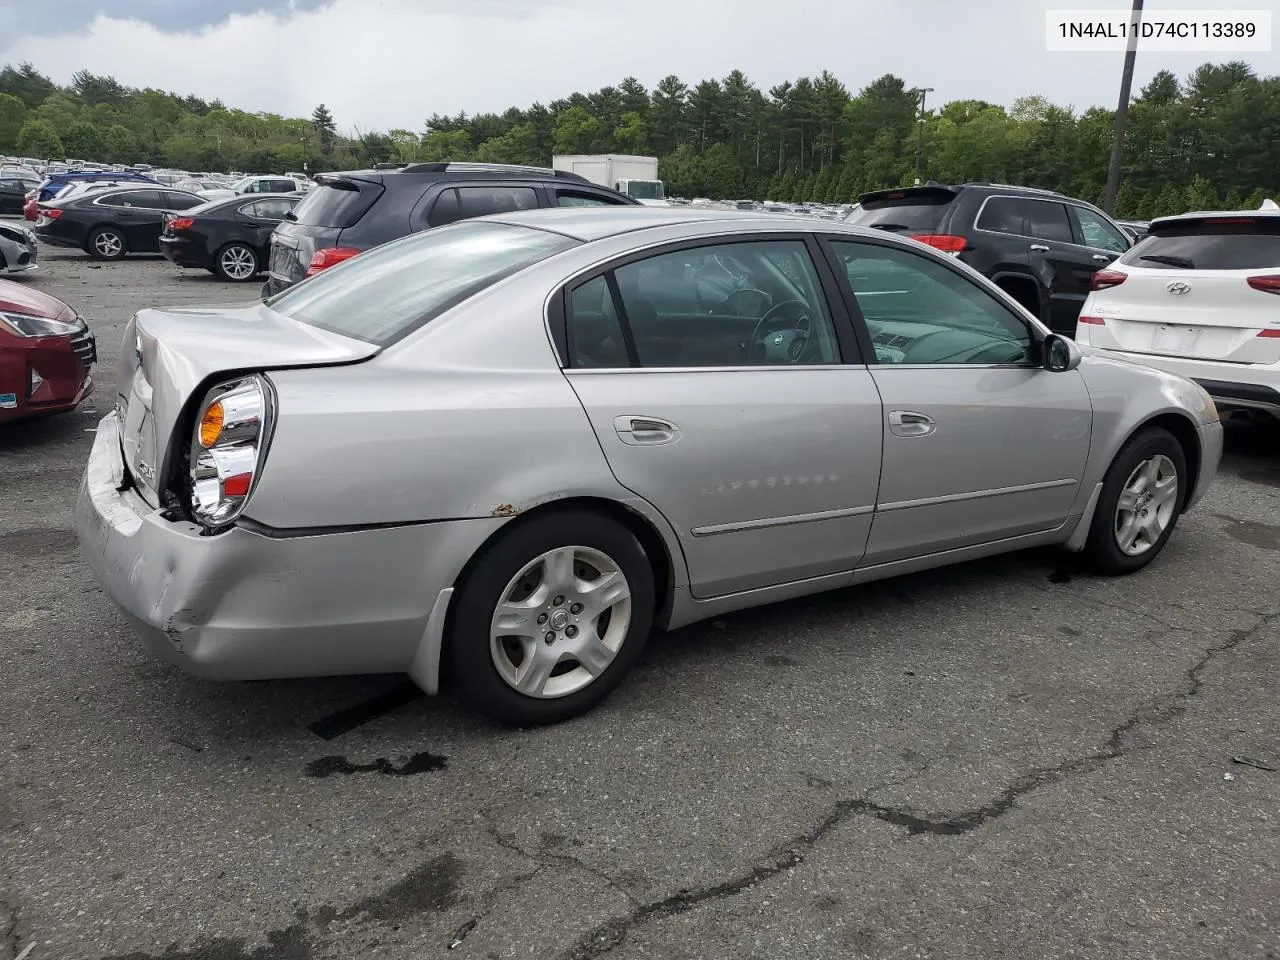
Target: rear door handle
{"type": "Point", "coordinates": [645, 431]}
{"type": "Point", "coordinates": [908, 423]}
{"type": "Point", "coordinates": [1039, 248]}
{"type": "Point", "coordinates": [1104, 257]}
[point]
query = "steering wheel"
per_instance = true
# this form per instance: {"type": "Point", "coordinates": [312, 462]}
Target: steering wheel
{"type": "Point", "coordinates": [801, 326]}
{"type": "Point", "coordinates": [760, 298]}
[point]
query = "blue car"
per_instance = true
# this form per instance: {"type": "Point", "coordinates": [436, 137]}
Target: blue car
{"type": "Point", "coordinates": [60, 180]}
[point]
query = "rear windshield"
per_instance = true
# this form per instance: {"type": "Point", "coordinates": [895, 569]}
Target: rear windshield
{"type": "Point", "coordinates": [388, 292]}
{"type": "Point", "coordinates": [339, 204]}
{"type": "Point", "coordinates": [911, 213]}
{"type": "Point", "coordinates": [1246, 244]}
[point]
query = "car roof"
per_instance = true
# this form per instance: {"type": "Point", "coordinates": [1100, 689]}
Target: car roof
{"type": "Point", "coordinates": [597, 223]}
{"type": "Point", "coordinates": [1264, 214]}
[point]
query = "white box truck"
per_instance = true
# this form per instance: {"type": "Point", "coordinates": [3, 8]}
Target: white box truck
{"type": "Point", "coordinates": [637, 177]}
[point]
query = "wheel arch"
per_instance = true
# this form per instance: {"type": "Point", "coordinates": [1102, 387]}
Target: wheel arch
{"type": "Point", "coordinates": [1184, 431]}
{"type": "Point", "coordinates": [667, 568]}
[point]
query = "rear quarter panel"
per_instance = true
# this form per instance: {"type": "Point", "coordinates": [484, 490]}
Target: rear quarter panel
{"type": "Point", "coordinates": [469, 417]}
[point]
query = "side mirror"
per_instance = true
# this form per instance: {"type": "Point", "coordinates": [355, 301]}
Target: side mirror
{"type": "Point", "coordinates": [1061, 353]}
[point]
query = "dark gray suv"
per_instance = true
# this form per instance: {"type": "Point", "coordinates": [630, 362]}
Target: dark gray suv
{"type": "Point", "coordinates": [347, 213]}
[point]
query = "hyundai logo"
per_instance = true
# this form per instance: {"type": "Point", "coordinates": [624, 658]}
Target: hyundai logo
{"type": "Point", "coordinates": [1179, 287]}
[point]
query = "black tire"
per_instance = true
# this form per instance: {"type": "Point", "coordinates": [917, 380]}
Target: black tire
{"type": "Point", "coordinates": [246, 253]}
{"type": "Point", "coordinates": [471, 665]}
{"type": "Point", "coordinates": [97, 244]}
{"type": "Point", "coordinates": [1102, 553]}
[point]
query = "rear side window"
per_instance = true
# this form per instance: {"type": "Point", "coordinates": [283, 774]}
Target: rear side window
{"type": "Point", "coordinates": [1226, 243]}
{"type": "Point", "coordinates": [338, 204]}
{"type": "Point", "coordinates": [388, 292]}
{"type": "Point", "coordinates": [463, 203]}
{"type": "Point", "coordinates": [912, 213]}
{"type": "Point", "coordinates": [1041, 219]}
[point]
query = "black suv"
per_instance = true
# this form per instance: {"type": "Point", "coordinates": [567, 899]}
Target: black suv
{"type": "Point", "coordinates": [1042, 247]}
{"type": "Point", "coordinates": [346, 213]}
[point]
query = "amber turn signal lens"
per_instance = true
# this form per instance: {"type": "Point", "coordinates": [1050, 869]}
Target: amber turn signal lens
{"type": "Point", "coordinates": [211, 425]}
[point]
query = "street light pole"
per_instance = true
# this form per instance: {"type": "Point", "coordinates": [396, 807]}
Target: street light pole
{"type": "Point", "coordinates": [924, 92]}
{"type": "Point", "coordinates": [1122, 110]}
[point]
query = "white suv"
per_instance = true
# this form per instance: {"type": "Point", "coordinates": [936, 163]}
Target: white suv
{"type": "Point", "coordinates": [1200, 297]}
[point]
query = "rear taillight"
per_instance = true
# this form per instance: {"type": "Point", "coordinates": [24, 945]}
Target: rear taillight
{"type": "Point", "coordinates": [1106, 279]}
{"type": "Point", "coordinates": [324, 259]}
{"type": "Point", "coordinates": [227, 449]}
{"type": "Point", "coordinates": [181, 223]}
{"type": "Point", "coordinates": [1094, 320]}
{"type": "Point", "coordinates": [942, 241]}
{"type": "Point", "coordinates": [1271, 333]}
{"type": "Point", "coordinates": [53, 213]}
{"type": "Point", "coordinates": [1267, 284]}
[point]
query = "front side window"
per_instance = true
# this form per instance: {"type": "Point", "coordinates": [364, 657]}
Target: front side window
{"type": "Point", "coordinates": [182, 201]}
{"type": "Point", "coordinates": [735, 304]}
{"type": "Point", "coordinates": [1098, 233]}
{"type": "Point", "coordinates": [388, 292]}
{"type": "Point", "coordinates": [919, 311]}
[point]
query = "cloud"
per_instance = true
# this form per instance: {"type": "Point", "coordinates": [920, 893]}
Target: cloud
{"type": "Point", "coordinates": [391, 63]}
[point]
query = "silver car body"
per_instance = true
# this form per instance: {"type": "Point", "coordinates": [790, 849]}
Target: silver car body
{"type": "Point", "coordinates": [389, 470]}
{"type": "Point", "coordinates": [19, 251]}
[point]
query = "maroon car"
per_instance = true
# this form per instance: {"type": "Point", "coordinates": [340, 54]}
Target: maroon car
{"type": "Point", "coordinates": [46, 351]}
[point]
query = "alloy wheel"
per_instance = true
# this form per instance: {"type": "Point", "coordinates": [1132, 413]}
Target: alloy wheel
{"type": "Point", "coordinates": [560, 622]}
{"type": "Point", "coordinates": [1145, 508]}
{"type": "Point", "coordinates": [108, 244]}
{"type": "Point", "coordinates": [238, 263]}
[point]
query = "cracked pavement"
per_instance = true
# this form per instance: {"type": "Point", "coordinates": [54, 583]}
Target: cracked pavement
{"type": "Point", "coordinates": [999, 760]}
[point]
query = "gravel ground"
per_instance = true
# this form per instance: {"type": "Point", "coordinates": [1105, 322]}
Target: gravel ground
{"type": "Point", "coordinates": [999, 760]}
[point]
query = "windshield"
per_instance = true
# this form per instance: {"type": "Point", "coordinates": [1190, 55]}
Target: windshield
{"type": "Point", "coordinates": [388, 292]}
{"type": "Point", "coordinates": [645, 190]}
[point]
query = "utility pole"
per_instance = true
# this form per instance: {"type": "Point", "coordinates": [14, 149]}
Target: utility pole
{"type": "Point", "coordinates": [924, 92]}
{"type": "Point", "coordinates": [1122, 110]}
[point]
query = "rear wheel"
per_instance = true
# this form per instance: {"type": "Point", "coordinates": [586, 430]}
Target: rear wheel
{"type": "Point", "coordinates": [1142, 497]}
{"type": "Point", "coordinates": [551, 619]}
{"type": "Point", "coordinates": [106, 243]}
{"type": "Point", "coordinates": [236, 262]}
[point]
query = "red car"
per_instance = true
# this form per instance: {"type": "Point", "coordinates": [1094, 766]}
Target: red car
{"type": "Point", "coordinates": [29, 209]}
{"type": "Point", "coordinates": [46, 351]}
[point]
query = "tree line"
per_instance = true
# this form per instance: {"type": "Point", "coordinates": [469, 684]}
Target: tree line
{"type": "Point", "coordinates": [1210, 140]}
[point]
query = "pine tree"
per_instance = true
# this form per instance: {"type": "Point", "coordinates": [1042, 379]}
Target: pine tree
{"type": "Point", "coordinates": [325, 128]}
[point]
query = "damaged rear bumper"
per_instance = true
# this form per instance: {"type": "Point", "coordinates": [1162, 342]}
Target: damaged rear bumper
{"type": "Point", "coordinates": [241, 605]}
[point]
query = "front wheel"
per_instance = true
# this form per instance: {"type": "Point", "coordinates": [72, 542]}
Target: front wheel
{"type": "Point", "coordinates": [106, 243]}
{"type": "Point", "coordinates": [1142, 497]}
{"type": "Point", "coordinates": [551, 618]}
{"type": "Point", "coordinates": [236, 262]}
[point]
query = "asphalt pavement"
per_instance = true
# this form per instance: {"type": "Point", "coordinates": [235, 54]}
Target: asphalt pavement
{"type": "Point", "coordinates": [1005, 759]}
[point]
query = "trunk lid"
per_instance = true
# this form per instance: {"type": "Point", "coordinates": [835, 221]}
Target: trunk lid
{"type": "Point", "coordinates": [1186, 290]}
{"type": "Point", "coordinates": [167, 355]}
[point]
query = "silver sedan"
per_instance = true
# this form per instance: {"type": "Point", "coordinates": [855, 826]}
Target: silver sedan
{"type": "Point", "coordinates": [498, 454]}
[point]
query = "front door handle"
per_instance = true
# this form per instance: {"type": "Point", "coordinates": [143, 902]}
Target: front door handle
{"type": "Point", "coordinates": [908, 423]}
{"type": "Point", "coordinates": [1039, 248]}
{"type": "Point", "coordinates": [645, 431]}
{"type": "Point", "coordinates": [1104, 257]}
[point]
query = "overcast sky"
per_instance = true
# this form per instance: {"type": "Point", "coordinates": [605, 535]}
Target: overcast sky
{"type": "Point", "coordinates": [380, 64]}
